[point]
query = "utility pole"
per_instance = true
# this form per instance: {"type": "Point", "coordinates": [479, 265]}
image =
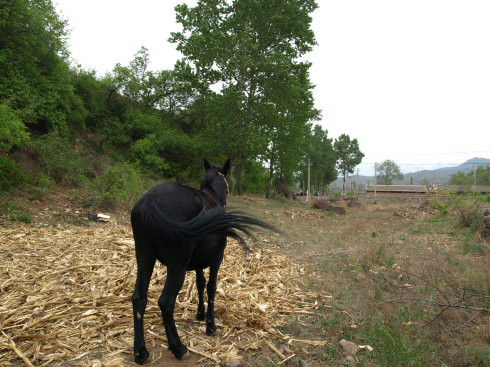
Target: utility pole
{"type": "Point", "coordinates": [474, 178]}
{"type": "Point", "coordinates": [357, 182]}
{"type": "Point", "coordinates": [375, 178]}
{"type": "Point", "coordinates": [308, 188]}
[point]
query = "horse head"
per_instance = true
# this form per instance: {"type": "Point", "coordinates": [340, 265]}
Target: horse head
{"type": "Point", "coordinates": [215, 181]}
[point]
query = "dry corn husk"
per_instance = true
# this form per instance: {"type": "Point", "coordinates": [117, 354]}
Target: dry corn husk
{"type": "Point", "coordinates": [65, 297]}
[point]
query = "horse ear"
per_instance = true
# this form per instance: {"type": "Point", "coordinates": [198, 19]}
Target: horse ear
{"type": "Point", "coordinates": [207, 165]}
{"type": "Point", "coordinates": [226, 167]}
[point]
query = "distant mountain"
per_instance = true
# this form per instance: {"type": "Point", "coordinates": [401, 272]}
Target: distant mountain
{"type": "Point", "coordinates": [436, 176]}
{"type": "Point", "coordinates": [442, 175]}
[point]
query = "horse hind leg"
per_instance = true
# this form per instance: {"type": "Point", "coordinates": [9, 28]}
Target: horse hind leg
{"type": "Point", "coordinates": [201, 284]}
{"type": "Point", "coordinates": [173, 284]}
{"type": "Point", "coordinates": [139, 299]}
{"type": "Point", "coordinates": [211, 291]}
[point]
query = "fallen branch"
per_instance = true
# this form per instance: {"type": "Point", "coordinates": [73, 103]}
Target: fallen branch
{"type": "Point", "coordinates": [479, 309]}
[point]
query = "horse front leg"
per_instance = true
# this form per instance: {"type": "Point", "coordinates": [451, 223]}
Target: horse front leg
{"type": "Point", "coordinates": [201, 284]}
{"type": "Point", "coordinates": [166, 302]}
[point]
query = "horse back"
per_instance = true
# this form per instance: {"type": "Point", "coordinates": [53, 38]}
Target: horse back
{"type": "Point", "coordinates": [178, 202]}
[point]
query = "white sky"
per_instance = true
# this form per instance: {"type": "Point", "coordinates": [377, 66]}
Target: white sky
{"type": "Point", "coordinates": [409, 79]}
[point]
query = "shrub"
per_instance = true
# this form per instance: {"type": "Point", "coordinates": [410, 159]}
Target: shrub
{"type": "Point", "coordinates": [119, 185]}
{"type": "Point", "coordinates": [12, 130]}
{"type": "Point", "coordinates": [59, 160]}
{"type": "Point", "coordinates": [39, 184]}
{"type": "Point", "coordinates": [147, 156]}
{"type": "Point", "coordinates": [472, 217]}
{"type": "Point", "coordinates": [11, 174]}
{"type": "Point", "coordinates": [22, 217]}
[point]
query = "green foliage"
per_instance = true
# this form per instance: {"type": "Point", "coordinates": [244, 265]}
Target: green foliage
{"type": "Point", "coordinates": [396, 344]}
{"type": "Point", "coordinates": [252, 49]}
{"type": "Point", "coordinates": [11, 175]}
{"type": "Point", "coordinates": [12, 130]}
{"type": "Point", "coordinates": [388, 171]}
{"type": "Point", "coordinates": [442, 206]}
{"type": "Point", "coordinates": [164, 122]}
{"type": "Point", "coordinates": [348, 155]}
{"type": "Point", "coordinates": [147, 156]}
{"type": "Point", "coordinates": [38, 185]}
{"type": "Point", "coordinates": [468, 179]}
{"type": "Point", "coordinates": [121, 184]}
{"type": "Point", "coordinates": [34, 77]}
{"type": "Point", "coordinates": [483, 198]}
{"type": "Point", "coordinates": [477, 356]}
{"type": "Point", "coordinates": [473, 248]}
{"type": "Point", "coordinates": [59, 161]}
{"type": "Point", "coordinates": [323, 159]}
{"type": "Point", "coordinates": [22, 217]}
{"type": "Point", "coordinates": [255, 180]}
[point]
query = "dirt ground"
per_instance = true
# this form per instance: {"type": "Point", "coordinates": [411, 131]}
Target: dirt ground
{"type": "Point", "coordinates": [409, 285]}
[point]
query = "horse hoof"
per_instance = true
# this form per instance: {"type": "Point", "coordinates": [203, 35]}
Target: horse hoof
{"type": "Point", "coordinates": [211, 331]}
{"type": "Point", "coordinates": [186, 355]}
{"type": "Point", "coordinates": [180, 352]}
{"type": "Point", "coordinates": [141, 356]}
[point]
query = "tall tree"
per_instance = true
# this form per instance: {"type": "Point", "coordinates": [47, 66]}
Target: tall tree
{"type": "Point", "coordinates": [322, 158]}
{"type": "Point", "coordinates": [243, 47]}
{"type": "Point", "coordinates": [34, 75]}
{"type": "Point", "coordinates": [348, 156]}
{"type": "Point", "coordinates": [388, 171]}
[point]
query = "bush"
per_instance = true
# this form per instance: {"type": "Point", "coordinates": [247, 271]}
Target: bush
{"type": "Point", "coordinates": [147, 156]}
{"type": "Point", "coordinates": [12, 130]}
{"type": "Point", "coordinates": [119, 185]}
{"type": "Point", "coordinates": [39, 184]}
{"type": "Point", "coordinates": [59, 160]}
{"type": "Point", "coordinates": [11, 174]}
{"type": "Point", "coordinates": [22, 217]}
{"type": "Point", "coordinates": [472, 217]}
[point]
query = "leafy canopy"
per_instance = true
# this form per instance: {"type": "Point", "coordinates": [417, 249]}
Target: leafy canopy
{"type": "Point", "coordinates": [388, 171]}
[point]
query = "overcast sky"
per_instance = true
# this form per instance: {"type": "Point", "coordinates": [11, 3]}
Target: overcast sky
{"type": "Point", "coordinates": [409, 79]}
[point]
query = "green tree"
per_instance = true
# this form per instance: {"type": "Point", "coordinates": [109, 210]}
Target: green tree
{"type": "Point", "coordinates": [34, 76]}
{"type": "Point", "coordinates": [12, 130]}
{"type": "Point", "coordinates": [323, 160]}
{"type": "Point", "coordinates": [468, 179]}
{"type": "Point", "coordinates": [245, 47]}
{"type": "Point", "coordinates": [288, 125]}
{"type": "Point", "coordinates": [388, 171]}
{"type": "Point", "coordinates": [348, 156]}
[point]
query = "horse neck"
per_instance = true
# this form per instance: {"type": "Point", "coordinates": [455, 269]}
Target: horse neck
{"type": "Point", "coordinates": [220, 199]}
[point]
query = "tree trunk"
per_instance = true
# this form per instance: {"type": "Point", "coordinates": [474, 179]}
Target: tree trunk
{"type": "Point", "coordinates": [269, 186]}
{"type": "Point", "coordinates": [241, 175]}
{"type": "Point", "coordinates": [232, 177]}
{"type": "Point", "coordinates": [343, 185]}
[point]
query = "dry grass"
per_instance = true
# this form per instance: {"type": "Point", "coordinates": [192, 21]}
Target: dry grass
{"type": "Point", "coordinates": [380, 262]}
{"type": "Point", "coordinates": [66, 299]}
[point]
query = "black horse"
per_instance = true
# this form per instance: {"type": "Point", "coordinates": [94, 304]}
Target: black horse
{"type": "Point", "coordinates": [185, 229]}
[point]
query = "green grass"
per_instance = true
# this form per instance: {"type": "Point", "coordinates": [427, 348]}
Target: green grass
{"type": "Point", "coordinates": [393, 342]}
{"type": "Point", "coordinates": [7, 208]}
{"type": "Point", "coordinates": [473, 248]}
{"type": "Point", "coordinates": [22, 217]}
{"type": "Point", "coordinates": [477, 356]}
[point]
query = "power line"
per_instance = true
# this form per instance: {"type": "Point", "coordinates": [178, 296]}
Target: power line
{"type": "Point", "coordinates": [428, 154]}
{"type": "Point", "coordinates": [432, 164]}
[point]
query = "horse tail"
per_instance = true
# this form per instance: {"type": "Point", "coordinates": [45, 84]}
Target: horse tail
{"type": "Point", "coordinates": [208, 222]}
